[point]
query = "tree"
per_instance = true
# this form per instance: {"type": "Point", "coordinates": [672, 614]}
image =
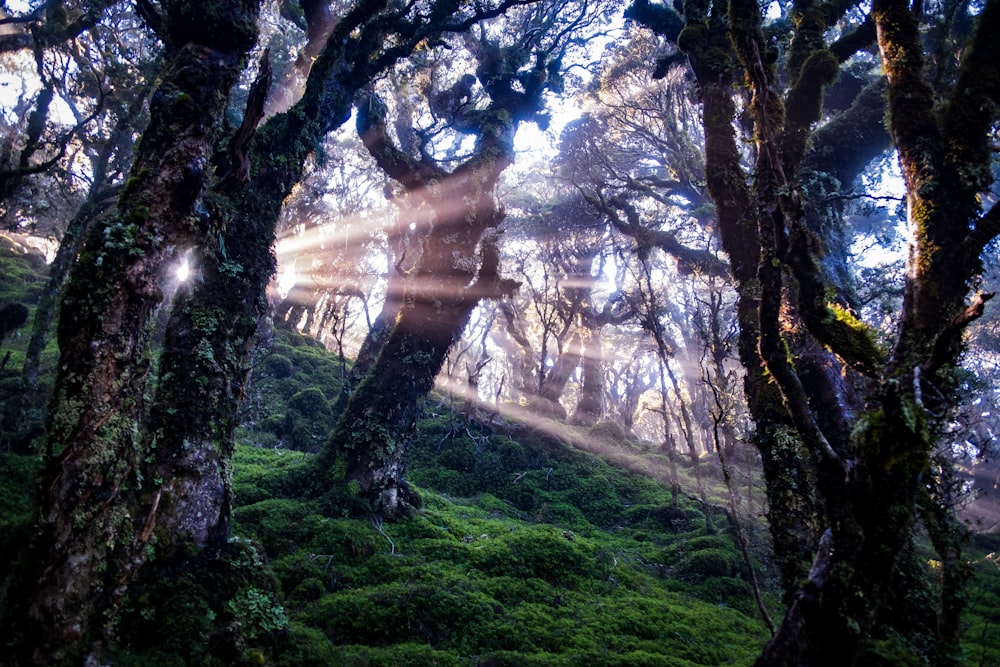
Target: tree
{"type": "Point", "coordinates": [214, 321]}
{"type": "Point", "coordinates": [868, 440]}
{"type": "Point", "coordinates": [169, 482]}
{"type": "Point", "coordinates": [91, 536]}
{"type": "Point", "coordinates": [50, 33]}
{"type": "Point", "coordinates": [63, 161]}
{"type": "Point", "coordinates": [458, 261]}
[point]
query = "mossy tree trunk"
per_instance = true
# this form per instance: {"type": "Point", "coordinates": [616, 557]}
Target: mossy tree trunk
{"type": "Point", "coordinates": [91, 536]}
{"type": "Point", "coordinates": [453, 271]}
{"type": "Point", "coordinates": [787, 474]}
{"type": "Point", "coordinates": [865, 443]}
{"type": "Point", "coordinates": [119, 147]}
{"type": "Point", "coordinates": [590, 408]}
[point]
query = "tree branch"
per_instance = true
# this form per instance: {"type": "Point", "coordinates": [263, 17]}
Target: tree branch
{"type": "Point", "coordinates": [237, 171]}
{"type": "Point", "coordinates": [850, 141]}
{"type": "Point", "coordinates": [987, 228]}
{"type": "Point", "coordinates": [42, 35]}
{"type": "Point", "coordinates": [950, 337]}
{"type": "Point", "coordinates": [911, 99]}
{"type": "Point", "coordinates": [412, 174]}
{"type": "Point", "coordinates": [855, 40]}
{"type": "Point", "coordinates": [972, 109]}
{"type": "Point", "coordinates": [688, 259]}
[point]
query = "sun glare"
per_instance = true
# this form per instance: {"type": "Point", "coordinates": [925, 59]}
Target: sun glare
{"type": "Point", "coordinates": [183, 271]}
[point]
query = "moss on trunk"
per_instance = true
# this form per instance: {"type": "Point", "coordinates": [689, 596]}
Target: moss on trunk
{"type": "Point", "coordinates": [91, 536]}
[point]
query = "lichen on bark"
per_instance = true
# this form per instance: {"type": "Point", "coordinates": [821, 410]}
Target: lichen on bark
{"type": "Point", "coordinates": [90, 536]}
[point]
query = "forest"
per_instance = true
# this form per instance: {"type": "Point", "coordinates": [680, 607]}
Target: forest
{"type": "Point", "coordinates": [499, 332]}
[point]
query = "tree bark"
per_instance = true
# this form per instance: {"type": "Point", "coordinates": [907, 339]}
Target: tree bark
{"type": "Point", "coordinates": [90, 537]}
{"type": "Point", "coordinates": [100, 198]}
{"type": "Point", "coordinates": [590, 406]}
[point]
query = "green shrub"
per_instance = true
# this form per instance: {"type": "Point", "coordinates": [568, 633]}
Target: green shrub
{"type": "Point", "coordinates": [706, 563]}
{"type": "Point", "coordinates": [309, 590]}
{"type": "Point", "coordinates": [310, 402]}
{"type": "Point", "coordinates": [304, 646]}
{"type": "Point", "coordinates": [535, 552]}
{"type": "Point", "coordinates": [278, 366]}
{"type": "Point", "coordinates": [274, 423]}
{"type": "Point", "coordinates": [399, 655]}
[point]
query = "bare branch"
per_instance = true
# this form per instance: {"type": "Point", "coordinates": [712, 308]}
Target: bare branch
{"type": "Point", "coordinates": [951, 335]}
{"type": "Point", "coordinates": [987, 228]}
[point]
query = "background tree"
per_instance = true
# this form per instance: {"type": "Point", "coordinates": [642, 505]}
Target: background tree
{"type": "Point", "coordinates": [63, 167]}
{"type": "Point", "coordinates": [52, 39]}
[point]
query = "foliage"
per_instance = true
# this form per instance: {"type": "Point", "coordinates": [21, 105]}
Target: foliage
{"type": "Point", "coordinates": [290, 392]}
{"type": "Point", "coordinates": [18, 476]}
{"type": "Point", "coordinates": [578, 561]}
{"type": "Point", "coordinates": [981, 638]}
{"type": "Point", "coordinates": [22, 277]}
{"type": "Point", "coordinates": [206, 610]}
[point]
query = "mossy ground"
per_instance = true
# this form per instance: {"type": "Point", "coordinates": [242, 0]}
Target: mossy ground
{"type": "Point", "coordinates": [981, 621]}
{"type": "Point", "coordinates": [478, 581]}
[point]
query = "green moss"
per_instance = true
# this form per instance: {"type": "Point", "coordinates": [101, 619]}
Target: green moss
{"type": "Point", "coordinates": [822, 66]}
{"type": "Point", "coordinates": [17, 490]}
{"type": "Point", "coordinates": [201, 609]}
{"type": "Point", "coordinates": [853, 340]}
{"type": "Point", "coordinates": [478, 579]}
{"type": "Point", "coordinates": [488, 571]}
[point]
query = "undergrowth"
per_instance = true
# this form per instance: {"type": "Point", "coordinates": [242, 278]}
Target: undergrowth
{"type": "Point", "coordinates": [525, 551]}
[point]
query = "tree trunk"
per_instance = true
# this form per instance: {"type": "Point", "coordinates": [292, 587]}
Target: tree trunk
{"type": "Point", "coordinates": [945, 165]}
{"type": "Point", "coordinates": [868, 476]}
{"type": "Point", "coordinates": [90, 537]}
{"type": "Point", "coordinates": [788, 476]}
{"type": "Point", "coordinates": [547, 402]}
{"type": "Point", "coordinates": [100, 198]}
{"type": "Point", "coordinates": [369, 443]}
{"type": "Point", "coordinates": [590, 407]}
